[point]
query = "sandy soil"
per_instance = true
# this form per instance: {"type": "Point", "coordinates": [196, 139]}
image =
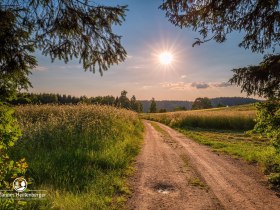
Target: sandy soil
{"type": "Point", "coordinates": [175, 173]}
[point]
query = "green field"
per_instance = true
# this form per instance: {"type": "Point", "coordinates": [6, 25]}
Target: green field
{"type": "Point", "coordinates": [227, 118]}
{"type": "Point", "coordinates": [80, 154]}
{"type": "Point", "coordinates": [223, 129]}
{"type": "Point", "coordinates": [83, 154]}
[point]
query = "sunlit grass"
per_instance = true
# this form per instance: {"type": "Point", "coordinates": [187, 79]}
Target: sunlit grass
{"type": "Point", "coordinates": [238, 144]}
{"type": "Point", "coordinates": [227, 118]}
{"type": "Point", "coordinates": [80, 154]}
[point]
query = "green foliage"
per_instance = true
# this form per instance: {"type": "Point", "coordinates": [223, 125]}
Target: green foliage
{"type": "Point", "coordinates": [60, 29]}
{"type": "Point", "coordinates": [179, 108]}
{"type": "Point", "coordinates": [105, 100]}
{"type": "Point", "coordinates": [268, 121]}
{"type": "Point", "coordinates": [80, 154]}
{"type": "Point", "coordinates": [274, 180]}
{"type": "Point", "coordinates": [15, 54]}
{"type": "Point", "coordinates": [52, 98]}
{"type": "Point", "coordinates": [262, 80]}
{"type": "Point", "coordinates": [220, 105]}
{"type": "Point", "coordinates": [9, 169]}
{"type": "Point", "coordinates": [123, 101]}
{"type": "Point", "coordinates": [259, 20]}
{"type": "Point", "coordinates": [67, 29]}
{"type": "Point", "coordinates": [135, 105]}
{"type": "Point", "coordinates": [153, 107]}
{"type": "Point", "coordinates": [202, 103]}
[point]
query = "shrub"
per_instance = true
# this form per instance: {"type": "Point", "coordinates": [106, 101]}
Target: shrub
{"type": "Point", "coordinates": [9, 169]}
{"type": "Point", "coordinates": [268, 121]}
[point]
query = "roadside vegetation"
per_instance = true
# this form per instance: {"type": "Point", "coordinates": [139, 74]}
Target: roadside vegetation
{"type": "Point", "coordinates": [80, 154]}
{"type": "Point", "coordinates": [225, 130]}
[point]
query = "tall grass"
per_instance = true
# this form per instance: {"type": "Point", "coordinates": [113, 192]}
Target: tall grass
{"type": "Point", "coordinates": [79, 154]}
{"type": "Point", "coordinates": [237, 118]}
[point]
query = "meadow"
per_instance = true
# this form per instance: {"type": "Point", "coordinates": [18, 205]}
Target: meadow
{"type": "Point", "coordinates": [227, 118]}
{"type": "Point", "coordinates": [225, 131]}
{"type": "Point", "coordinates": [80, 154]}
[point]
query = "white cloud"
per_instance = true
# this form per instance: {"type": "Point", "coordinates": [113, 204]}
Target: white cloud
{"type": "Point", "coordinates": [176, 86]}
{"type": "Point", "coordinates": [200, 85]}
{"type": "Point", "coordinates": [41, 68]}
{"type": "Point", "coordinates": [146, 87]}
{"type": "Point", "coordinates": [136, 67]}
{"type": "Point", "coordinates": [69, 66]}
{"type": "Point", "coordinates": [183, 76]}
{"type": "Point", "coordinates": [221, 84]}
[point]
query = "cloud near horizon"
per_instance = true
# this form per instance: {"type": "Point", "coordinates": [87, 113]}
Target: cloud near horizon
{"type": "Point", "coordinates": [200, 85]}
{"type": "Point", "coordinates": [41, 68]}
{"type": "Point", "coordinates": [195, 85]}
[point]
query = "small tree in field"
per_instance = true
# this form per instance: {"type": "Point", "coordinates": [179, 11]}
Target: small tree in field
{"type": "Point", "coordinates": [153, 107]}
{"type": "Point", "coordinates": [124, 101]}
{"type": "Point", "coordinates": [135, 105]}
{"type": "Point", "coordinates": [202, 103]}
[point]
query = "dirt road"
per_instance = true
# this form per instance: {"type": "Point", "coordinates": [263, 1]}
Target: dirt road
{"type": "Point", "coordinates": [175, 173]}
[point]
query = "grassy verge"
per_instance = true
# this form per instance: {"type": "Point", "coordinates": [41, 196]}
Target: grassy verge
{"type": "Point", "coordinates": [238, 144]}
{"type": "Point", "coordinates": [80, 154]}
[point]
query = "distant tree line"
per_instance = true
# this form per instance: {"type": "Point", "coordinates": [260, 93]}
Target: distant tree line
{"type": "Point", "coordinates": [169, 106]}
{"type": "Point", "coordinates": [121, 101]}
{"type": "Point", "coordinates": [153, 107]}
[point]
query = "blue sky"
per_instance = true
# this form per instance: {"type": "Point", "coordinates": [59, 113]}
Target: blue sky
{"type": "Point", "coordinates": [196, 72]}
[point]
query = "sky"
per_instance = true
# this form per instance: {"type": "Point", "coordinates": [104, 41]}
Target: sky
{"type": "Point", "coordinates": [200, 71]}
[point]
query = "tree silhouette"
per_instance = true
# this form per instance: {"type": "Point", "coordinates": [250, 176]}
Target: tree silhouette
{"type": "Point", "coordinates": [153, 107]}
{"type": "Point", "coordinates": [202, 103]}
{"type": "Point", "coordinates": [260, 22]}
{"type": "Point", "coordinates": [215, 19]}
{"type": "Point", "coordinates": [116, 102]}
{"type": "Point", "coordinates": [59, 29]}
{"type": "Point", "coordinates": [123, 100]}
{"type": "Point", "coordinates": [262, 80]}
{"type": "Point", "coordinates": [135, 105]}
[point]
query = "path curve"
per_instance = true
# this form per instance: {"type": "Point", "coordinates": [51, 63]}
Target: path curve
{"type": "Point", "coordinates": [174, 172]}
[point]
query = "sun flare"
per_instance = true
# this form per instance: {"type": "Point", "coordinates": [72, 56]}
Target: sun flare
{"type": "Point", "coordinates": [165, 58]}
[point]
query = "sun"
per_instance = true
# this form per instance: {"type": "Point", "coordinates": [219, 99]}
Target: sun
{"type": "Point", "coordinates": [165, 58]}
